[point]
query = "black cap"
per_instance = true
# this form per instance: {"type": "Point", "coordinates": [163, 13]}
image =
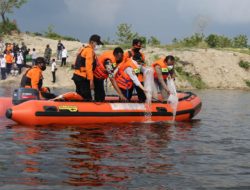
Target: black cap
{"type": "Point", "coordinates": [40, 60]}
{"type": "Point", "coordinates": [96, 38]}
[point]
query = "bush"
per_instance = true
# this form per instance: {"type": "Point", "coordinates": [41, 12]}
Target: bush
{"type": "Point", "coordinates": [217, 41]}
{"type": "Point", "coordinates": [212, 40]}
{"type": "Point", "coordinates": [244, 64]}
{"type": "Point", "coordinates": [8, 27]}
{"type": "Point", "coordinates": [153, 41]}
{"type": "Point", "coordinates": [248, 83]}
{"type": "Point", "coordinates": [53, 35]}
{"type": "Point", "coordinates": [195, 80]}
{"type": "Point", "coordinates": [240, 41]}
{"type": "Point", "coordinates": [191, 41]}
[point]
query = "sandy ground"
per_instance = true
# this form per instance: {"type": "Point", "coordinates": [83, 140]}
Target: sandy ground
{"type": "Point", "coordinates": [218, 69]}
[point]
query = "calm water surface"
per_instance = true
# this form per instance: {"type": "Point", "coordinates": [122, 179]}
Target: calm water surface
{"type": "Point", "coordinates": [210, 152]}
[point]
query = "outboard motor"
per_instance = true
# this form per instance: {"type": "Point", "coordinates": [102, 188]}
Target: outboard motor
{"type": "Point", "coordinates": [21, 95]}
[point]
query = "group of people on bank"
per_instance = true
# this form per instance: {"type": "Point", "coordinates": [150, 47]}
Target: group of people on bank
{"type": "Point", "coordinates": [12, 59]}
{"type": "Point", "coordinates": [125, 71]}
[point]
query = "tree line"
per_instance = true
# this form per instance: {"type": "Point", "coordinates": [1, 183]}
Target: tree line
{"type": "Point", "coordinates": [125, 35]}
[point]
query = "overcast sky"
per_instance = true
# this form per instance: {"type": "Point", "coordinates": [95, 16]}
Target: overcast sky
{"type": "Point", "coordinates": [164, 19]}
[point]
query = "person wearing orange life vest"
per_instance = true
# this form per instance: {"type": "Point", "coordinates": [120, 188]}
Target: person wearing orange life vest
{"type": "Point", "coordinates": [105, 67]}
{"type": "Point", "coordinates": [137, 55]}
{"type": "Point", "coordinates": [83, 76]}
{"type": "Point", "coordinates": [33, 78]}
{"type": "Point", "coordinates": [163, 68]}
{"type": "Point", "coordinates": [126, 78]}
{"type": "Point", "coordinates": [9, 58]}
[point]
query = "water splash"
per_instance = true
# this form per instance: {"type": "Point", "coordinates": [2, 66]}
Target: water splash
{"type": "Point", "coordinates": [150, 87]}
{"type": "Point", "coordinates": [173, 98]}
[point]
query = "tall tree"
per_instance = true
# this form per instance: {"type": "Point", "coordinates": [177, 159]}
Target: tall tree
{"type": "Point", "coordinates": [7, 6]}
{"type": "Point", "coordinates": [125, 34]}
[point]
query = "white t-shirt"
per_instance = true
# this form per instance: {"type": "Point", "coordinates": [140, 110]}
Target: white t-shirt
{"type": "Point", "coordinates": [2, 63]}
{"type": "Point", "coordinates": [33, 55]}
{"type": "Point", "coordinates": [53, 66]}
{"type": "Point", "coordinates": [19, 60]}
{"type": "Point", "coordinates": [64, 53]}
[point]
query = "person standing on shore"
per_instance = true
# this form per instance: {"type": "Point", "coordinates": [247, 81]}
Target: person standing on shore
{"type": "Point", "coordinates": [1, 45]}
{"type": "Point", "coordinates": [53, 70]}
{"type": "Point", "coordinates": [24, 52]}
{"type": "Point", "coordinates": [64, 56]}
{"type": "Point", "coordinates": [19, 61]}
{"type": "Point", "coordinates": [33, 56]}
{"type": "Point", "coordinates": [47, 54]}
{"type": "Point", "coordinates": [59, 50]}
{"type": "Point", "coordinates": [2, 67]}
{"type": "Point", "coordinates": [9, 58]}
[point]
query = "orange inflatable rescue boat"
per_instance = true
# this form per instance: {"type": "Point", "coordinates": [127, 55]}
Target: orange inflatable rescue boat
{"type": "Point", "coordinates": [64, 111]}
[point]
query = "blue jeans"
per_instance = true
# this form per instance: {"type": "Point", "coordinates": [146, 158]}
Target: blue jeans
{"type": "Point", "coordinates": [59, 54]}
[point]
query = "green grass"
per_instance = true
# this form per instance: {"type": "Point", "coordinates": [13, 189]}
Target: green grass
{"type": "Point", "coordinates": [195, 80]}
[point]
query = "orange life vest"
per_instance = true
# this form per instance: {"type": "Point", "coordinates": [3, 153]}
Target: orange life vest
{"type": "Point", "coordinates": [129, 54]}
{"type": "Point", "coordinates": [164, 68]}
{"type": "Point", "coordinates": [34, 78]}
{"type": "Point", "coordinates": [123, 80]}
{"type": "Point", "coordinates": [9, 58]}
{"type": "Point", "coordinates": [100, 71]}
{"type": "Point", "coordinates": [88, 64]}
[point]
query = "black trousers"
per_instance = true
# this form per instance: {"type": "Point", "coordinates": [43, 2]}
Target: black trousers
{"type": "Point", "coordinates": [127, 93]}
{"type": "Point", "coordinates": [19, 68]}
{"type": "Point", "coordinates": [3, 73]}
{"type": "Point", "coordinates": [8, 68]}
{"type": "Point", "coordinates": [82, 87]}
{"type": "Point", "coordinates": [48, 95]}
{"type": "Point", "coordinates": [63, 61]}
{"type": "Point", "coordinates": [99, 90]}
{"type": "Point", "coordinates": [54, 76]}
{"type": "Point", "coordinates": [140, 93]}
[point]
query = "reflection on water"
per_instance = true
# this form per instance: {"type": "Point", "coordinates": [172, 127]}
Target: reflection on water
{"type": "Point", "coordinates": [210, 152]}
{"type": "Point", "coordinates": [92, 156]}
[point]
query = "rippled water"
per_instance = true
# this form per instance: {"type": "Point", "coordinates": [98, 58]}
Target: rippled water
{"type": "Point", "coordinates": [210, 152]}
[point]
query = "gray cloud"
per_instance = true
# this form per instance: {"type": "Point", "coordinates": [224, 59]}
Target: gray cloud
{"type": "Point", "coordinates": [164, 19]}
{"type": "Point", "coordinates": [101, 12]}
{"type": "Point", "coordinates": [220, 11]}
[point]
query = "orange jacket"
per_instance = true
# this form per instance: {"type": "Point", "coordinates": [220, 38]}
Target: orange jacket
{"type": "Point", "coordinates": [129, 54]}
{"type": "Point", "coordinates": [100, 70]}
{"type": "Point", "coordinates": [9, 58]}
{"type": "Point", "coordinates": [87, 71]}
{"type": "Point", "coordinates": [164, 68]}
{"type": "Point", "coordinates": [35, 78]}
{"type": "Point", "coordinates": [122, 79]}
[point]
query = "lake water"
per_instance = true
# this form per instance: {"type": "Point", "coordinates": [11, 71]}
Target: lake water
{"type": "Point", "coordinates": [210, 152]}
